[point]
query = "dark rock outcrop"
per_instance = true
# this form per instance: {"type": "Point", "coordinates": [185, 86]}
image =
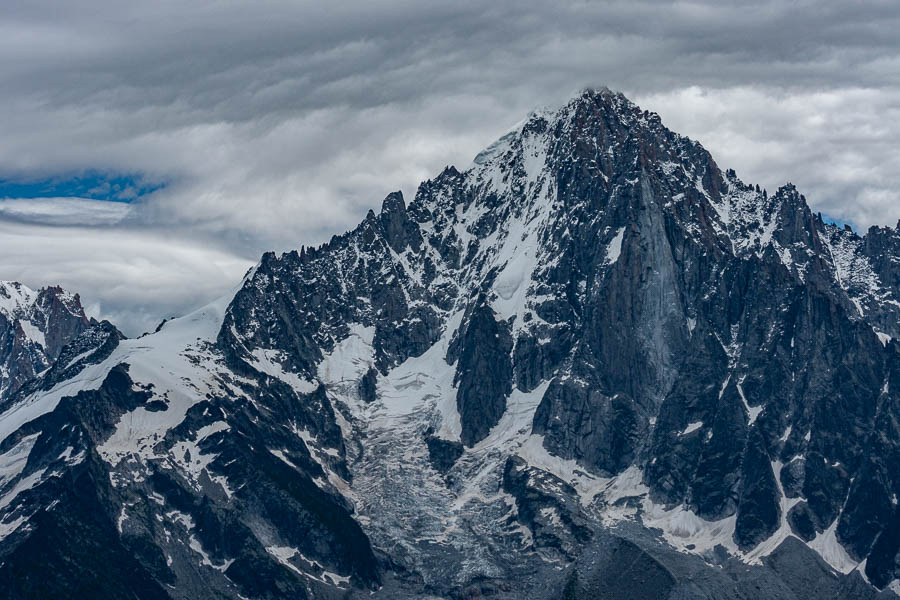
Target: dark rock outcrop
{"type": "Point", "coordinates": [483, 372]}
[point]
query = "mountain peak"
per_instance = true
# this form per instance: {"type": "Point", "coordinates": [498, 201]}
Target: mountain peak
{"type": "Point", "coordinates": [393, 202]}
{"type": "Point", "coordinates": [34, 328]}
{"type": "Point", "coordinates": [584, 116]}
{"type": "Point", "coordinates": [15, 297]}
{"type": "Point", "coordinates": [602, 99]}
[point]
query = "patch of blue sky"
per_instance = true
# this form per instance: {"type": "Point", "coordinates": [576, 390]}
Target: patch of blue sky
{"type": "Point", "coordinates": [839, 222]}
{"type": "Point", "coordinates": [94, 185]}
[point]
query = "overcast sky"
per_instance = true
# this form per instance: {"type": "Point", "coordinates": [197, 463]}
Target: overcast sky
{"type": "Point", "coordinates": [274, 124]}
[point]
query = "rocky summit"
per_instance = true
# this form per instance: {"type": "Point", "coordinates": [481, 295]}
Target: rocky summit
{"type": "Point", "coordinates": [591, 365]}
{"type": "Point", "coordinates": [34, 328]}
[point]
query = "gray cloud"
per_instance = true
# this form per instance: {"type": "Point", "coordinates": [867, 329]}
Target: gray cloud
{"type": "Point", "coordinates": [63, 211]}
{"type": "Point", "coordinates": [279, 123]}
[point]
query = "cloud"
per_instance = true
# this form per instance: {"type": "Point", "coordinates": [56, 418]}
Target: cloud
{"type": "Point", "coordinates": [279, 123]}
{"type": "Point", "coordinates": [838, 146]}
{"type": "Point", "coordinates": [131, 277]}
{"type": "Point", "coordinates": [62, 211]}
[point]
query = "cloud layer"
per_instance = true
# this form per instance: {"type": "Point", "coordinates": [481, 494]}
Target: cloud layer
{"type": "Point", "coordinates": [277, 124]}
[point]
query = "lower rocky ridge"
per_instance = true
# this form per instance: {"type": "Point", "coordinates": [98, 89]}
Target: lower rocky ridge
{"type": "Point", "coordinates": [152, 471]}
{"type": "Point", "coordinates": [165, 472]}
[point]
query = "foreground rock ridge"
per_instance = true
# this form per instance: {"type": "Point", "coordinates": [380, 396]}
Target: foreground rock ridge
{"type": "Point", "coordinates": [593, 364]}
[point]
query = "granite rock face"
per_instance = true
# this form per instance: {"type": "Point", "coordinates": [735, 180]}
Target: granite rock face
{"type": "Point", "coordinates": [591, 360]}
{"type": "Point", "coordinates": [484, 372]}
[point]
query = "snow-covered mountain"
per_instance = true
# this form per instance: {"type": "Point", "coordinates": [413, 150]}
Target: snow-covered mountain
{"type": "Point", "coordinates": [34, 328]}
{"type": "Point", "coordinates": [590, 365]}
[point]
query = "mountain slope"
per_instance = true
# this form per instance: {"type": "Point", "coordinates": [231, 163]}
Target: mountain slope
{"type": "Point", "coordinates": [592, 348]}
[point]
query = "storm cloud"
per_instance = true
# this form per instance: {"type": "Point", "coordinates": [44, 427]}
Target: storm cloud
{"type": "Point", "coordinates": [276, 124]}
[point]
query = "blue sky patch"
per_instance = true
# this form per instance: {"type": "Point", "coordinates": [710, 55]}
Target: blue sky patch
{"type": "Point", "coordinates": [838, 222]}
{"type": "Point", "coordinates": [91, 184]}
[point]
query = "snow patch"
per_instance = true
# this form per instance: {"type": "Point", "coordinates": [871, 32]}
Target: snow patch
{"type": "Point", "coordinates": [586, 484]}
{"type": "Point", "coordinates": [285, 554]}
{"type": "Point", "coordinates": [10, 527]}
{"type": "Point", "coordinates": [13, 461]}
{"type": "Point", "coordinates": [351, 357]}
{"type": "Point", "coordinates": [831, 551]}
{"type": "Point", "coordinates": [614, 250]}
{"type": "Point", "coordinates": [692, 427]}
{"type": "Point", "coordinates": [269, 362]}
{"type": "Point", "coordinates": [687, 532]}
{"type": "Point", "coordinates": [81, 356]}
{"type": "Point", "coordinates": [205, 559]}
{"type": "Point", "coordinates": [786, 434]}
{"type": "Point", "coordinates": [33, 333]}
{"type": "Point", "coordinates": [423, 379]}
{"type": "Point", "coordinates": [23, 485]}
{"type": "Point", "coordinates": [752, 411]}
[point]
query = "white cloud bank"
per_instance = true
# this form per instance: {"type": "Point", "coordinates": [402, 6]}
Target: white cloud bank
{"type": "Point", "coordinates": [132, 277]}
